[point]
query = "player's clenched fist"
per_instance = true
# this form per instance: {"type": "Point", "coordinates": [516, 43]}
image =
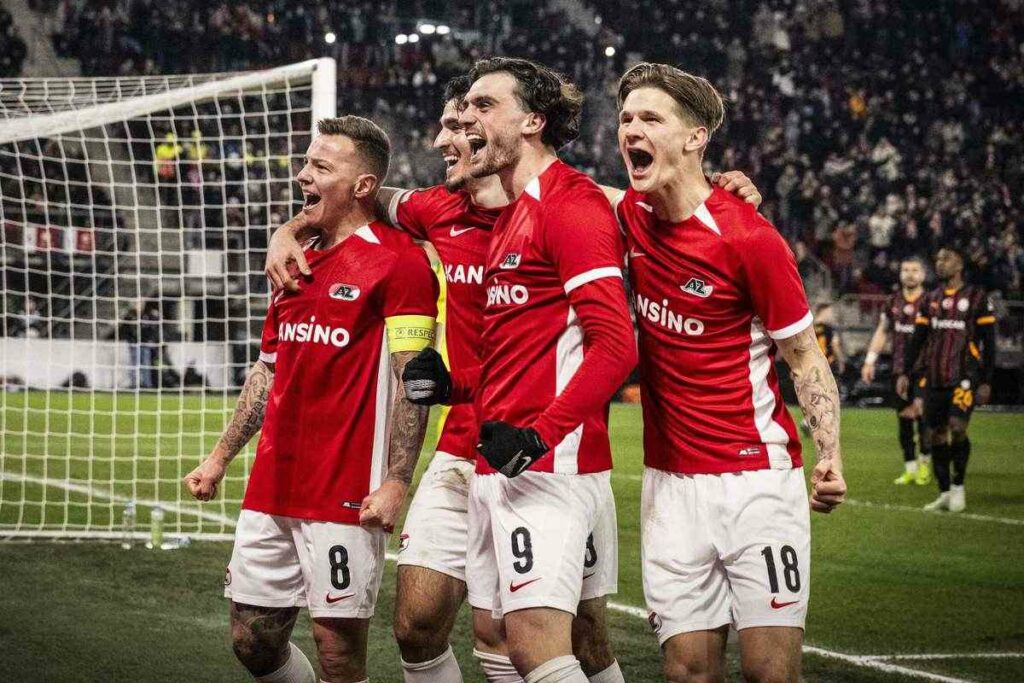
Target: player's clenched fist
{"type": "Point", "coordinates": [380, 509]}
{"type": "Point", "coordinates": [202, 481]}
{"type": "Point", "coordinates": [508, 449]}
{"type": "Point", "coordinates": [828, 488]}
{"type": "Point", "coordinates": [426, 380]}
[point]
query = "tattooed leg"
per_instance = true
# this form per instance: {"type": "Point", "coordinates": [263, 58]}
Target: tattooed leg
{"type": "Point", "coordinates": [259, 636]}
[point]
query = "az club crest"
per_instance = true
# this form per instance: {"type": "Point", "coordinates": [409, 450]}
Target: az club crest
{"type": "Point", "coordinates": [343, 292]}
{"type": "Point", "coordinates": [697, 287]}
{"type": "Point", "coordinates": [511, 261]}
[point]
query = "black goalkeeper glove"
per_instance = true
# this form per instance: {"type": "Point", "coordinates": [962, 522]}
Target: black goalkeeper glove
{"type": "Point", "coordinates": [426, 379]}
{"type": "Point", "coordinates": [508, 449]}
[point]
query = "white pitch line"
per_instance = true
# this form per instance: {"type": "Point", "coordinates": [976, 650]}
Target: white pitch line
{"type": "Point", "coordinates": [96, 493]}
{"type": "Point", "coordinates": [870, 663]}
{"type": "Point", "coordinates": [952, 655]}
{"type": "Point", "coordinates": [866, 661]}
{"type": "Point", "coordinates": [853, 502]}
{"type": "Point", "coordinates": [1012, 521]}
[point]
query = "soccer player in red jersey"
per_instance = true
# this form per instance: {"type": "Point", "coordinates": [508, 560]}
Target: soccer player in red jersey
{"type": "Point", "coordinates": [339, 439]}
{"type": "Point", "coordinates": [955, 337]}
{"type": "Point", "coordinates": [724, 512]}
{"type": "Point", "coordinates": [896, 322]}
{"type": "Point", "coordinates": [556, 344]}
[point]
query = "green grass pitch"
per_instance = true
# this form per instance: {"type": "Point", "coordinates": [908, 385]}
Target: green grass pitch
{"type": "Point", "coordinates": [889, 581]}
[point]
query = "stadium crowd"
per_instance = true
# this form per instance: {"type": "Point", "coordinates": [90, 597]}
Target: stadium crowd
{"type": "Point", "coordinates": [874, 129]}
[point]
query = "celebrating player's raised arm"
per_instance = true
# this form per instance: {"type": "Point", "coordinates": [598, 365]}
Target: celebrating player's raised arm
{"type": "Point", "coordinates": [202, 482]}
{"type": "Point", "coordinates": [819, 398]}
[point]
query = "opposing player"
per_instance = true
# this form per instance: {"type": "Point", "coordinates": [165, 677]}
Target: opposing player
{"type": "Point", "coordinates": [327, 484]}
{"type": "Point", "coordinates": [896, 322]}
{"type": "Point", "coordinates": [955, 333]}
{"type": "Point", "coordinates": [457, 218]}
{"type": "Point", "coordinates": [725, 523]}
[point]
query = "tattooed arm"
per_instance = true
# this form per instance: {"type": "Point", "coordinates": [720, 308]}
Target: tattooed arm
{"type": "Point", "coordinates": [819, 398]}
{"type": "Point", "coordinates": [408, 427]}
{"type": "Point", "coordinates": [248, 418]}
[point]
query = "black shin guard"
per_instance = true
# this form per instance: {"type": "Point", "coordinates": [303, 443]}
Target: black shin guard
{"type": "Point", "coordinates": [924, 439]}
{"type": "Point", "coordinates": [960, 452]}
{"type": "Point", "coordinates": [907, 438]}
{"type": "Point", "coordinates": [940, 464]}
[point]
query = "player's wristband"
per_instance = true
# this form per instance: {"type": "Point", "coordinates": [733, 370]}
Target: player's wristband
{"type": "Point", "coordinates": [409, 332]}
{"type": "Point", "coordinates": [871, 358]}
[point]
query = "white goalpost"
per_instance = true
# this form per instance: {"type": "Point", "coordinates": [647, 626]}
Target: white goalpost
{"type": "Point", "coordinates": [135, 216]}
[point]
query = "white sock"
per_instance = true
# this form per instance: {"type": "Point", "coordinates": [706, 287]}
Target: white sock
{"type": "Point", "coordinates": [926, 459]}
{"type": "Point", "coordinates": [441, 669]}
{"type": "Point", "coordinates": [956, 489]}
{"type": "Point", "coordinates": [497, 668]}
{"type": "Point", "coordinates": [911, 466]}
{"type": "Point", "coordinates": [296, 670]}
{"type": "Point", "coordinates": [613, 674]}
{"type": "Point", "coordinates": [564, 669]}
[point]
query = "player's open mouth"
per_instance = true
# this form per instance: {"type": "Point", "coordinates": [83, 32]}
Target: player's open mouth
{"type": "Point", "coordinates": [640, 160]}
{"type": "Point", "coordinates": [476, 143]}
{"type": "Point", "coordinates": [450, 160]}
{"type": "Point", "coordinates": [311, 201]}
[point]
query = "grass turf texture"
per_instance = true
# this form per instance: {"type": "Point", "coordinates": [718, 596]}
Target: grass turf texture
{"type": "Point", "coordinates": [885, 581]}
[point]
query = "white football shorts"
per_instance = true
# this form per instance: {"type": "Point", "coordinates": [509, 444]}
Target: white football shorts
{"type": "Point", "coordinates": [334, 569]}
{"type": "Point", "coordinates": [541, 540]}
{"type": "Point", "coordinates": [723, 549]}
{"type": "Point", "coordinates": [437, 524]}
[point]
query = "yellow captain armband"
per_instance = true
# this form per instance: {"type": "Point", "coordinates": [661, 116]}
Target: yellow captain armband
{"type": "Point", "coordinates": [409, 332]}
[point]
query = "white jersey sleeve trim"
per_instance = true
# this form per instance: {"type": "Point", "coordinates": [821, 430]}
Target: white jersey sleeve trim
{"type": "Point", "coordinates": [789, 330]}
{"type": "Point", "coordinates": [268, 357]}
{"type": "Point", "coordinates": [590, 276]}
{"type": "Point", "coordinates": [396, 199]}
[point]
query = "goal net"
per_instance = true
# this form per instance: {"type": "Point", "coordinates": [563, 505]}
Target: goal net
{"type": "Point", "coordinates": [135, 215]}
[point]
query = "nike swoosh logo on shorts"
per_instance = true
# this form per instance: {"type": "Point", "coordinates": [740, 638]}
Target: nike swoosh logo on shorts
{"type": "Point", "coordinates": [331, 599]}
{"type": "Point", "coordinates": [780, 605]}
{"type": "Point", "coordinates": [587, 576]}
{"type": "Point", "coordinates": [456, 233]}
{"type": "Point", "coordinates": [513, 587]}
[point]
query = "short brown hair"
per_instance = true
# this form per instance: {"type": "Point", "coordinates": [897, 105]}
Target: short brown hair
{"type": "Point", "coordinates": [543, 91]}
{"type": "Point", "coordinates": [698, 100]}
{"type": "Point", "coordinates": [371, 141]}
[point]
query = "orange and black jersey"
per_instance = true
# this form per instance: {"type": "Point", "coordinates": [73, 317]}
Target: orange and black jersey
{"type": "Point", "coordinates": [826, 334]}
{"type": "Point", "coordinates": [955, 332]}
{"type": "Point", "coordinates": [899, 315]}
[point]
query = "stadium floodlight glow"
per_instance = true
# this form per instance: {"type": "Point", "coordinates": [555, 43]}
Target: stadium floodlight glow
{"type": "Point", "coordinates": [443, 30]}
{"type": "Point", "coordinates": [329, 37]}
{"type": "Point", "coordinates": [414, 38]}
{"type": "Point", "coordinates": [609, 51]}
{"type": "Point", "coordinates": [401, 39]}
{"type": "Point", "coordinates": [597, 20]}
{"type": "Point", "coordinates": [427, 29]}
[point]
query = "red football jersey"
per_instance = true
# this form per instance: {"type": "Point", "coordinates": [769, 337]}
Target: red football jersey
{"type": "Point", "coordinates": [460, 232]}
{"type": "Point", "coordinates": [710, 294]}
{"type": "Point", "coordinates": [324, 444]}
{"type": "Point", "coordinates": [554, 269]}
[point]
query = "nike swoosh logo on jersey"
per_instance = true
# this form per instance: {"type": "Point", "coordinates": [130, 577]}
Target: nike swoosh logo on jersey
{"type": "Point", "coordinates": [587, 576]}
{"type": "Point", "coordinates": [633, 253]}
{"type": "Point", "coordinates": [456, 233]}
{"type": "Point", "coordinates": [513, 587]}
{"type": "Point", "coordinates": [780, 605]}
{"type": "Point", "coordinates": [333, 599]}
